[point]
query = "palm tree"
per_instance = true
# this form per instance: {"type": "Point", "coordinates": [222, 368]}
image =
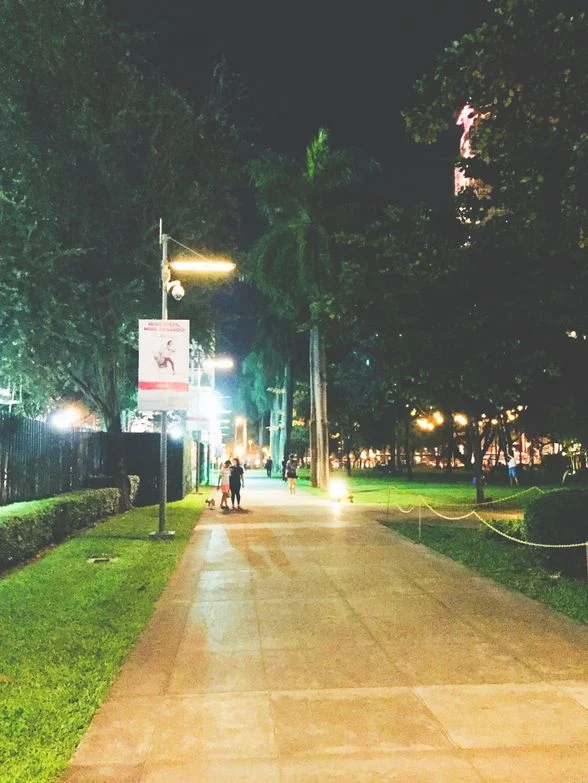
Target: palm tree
{"type": "Point", "coordinates": [295, 262]}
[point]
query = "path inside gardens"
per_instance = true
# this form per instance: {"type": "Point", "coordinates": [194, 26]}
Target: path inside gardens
{"type": "Point", "coordinates": [304, 641]}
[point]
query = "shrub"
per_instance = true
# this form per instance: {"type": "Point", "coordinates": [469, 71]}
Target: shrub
{"type": "Point", "coordinates": [560, 517]}
{"type": "Point", "coordinates": [32, 526]}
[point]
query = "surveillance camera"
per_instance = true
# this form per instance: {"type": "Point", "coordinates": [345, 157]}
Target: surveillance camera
{"type": "Point", "coordinates": [177, 291]}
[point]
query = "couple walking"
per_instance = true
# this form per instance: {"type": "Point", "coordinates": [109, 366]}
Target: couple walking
{"type": "Point", "coordinates": [230, 481]}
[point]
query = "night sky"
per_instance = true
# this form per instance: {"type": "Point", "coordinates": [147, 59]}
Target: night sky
{"type": "Point", "coordinates": [307, 66]}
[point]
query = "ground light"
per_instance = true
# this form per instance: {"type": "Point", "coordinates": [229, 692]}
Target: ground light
{"type": "Point", "coordinates": [338, 491]}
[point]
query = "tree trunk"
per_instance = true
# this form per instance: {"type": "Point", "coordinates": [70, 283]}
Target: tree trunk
{"type": "Point", "coordinates": [275, 433]}
{"type": "Point", "coordinates": [312, 421]}
{"type": "Point", "coordinates": [287, 405]}
{"type": "Point", "coordinates": [475, 440]}
{"type": "Point", "coordinates": [348, 445]}
{"type": "Point", "coordinates": [450, 445]}
{"type": "Point", "coordinates": [407, 448]}
{"type": "Point", "coordinates": [318, 385]}
{"type": "Point", "coordinates": [393, 463]}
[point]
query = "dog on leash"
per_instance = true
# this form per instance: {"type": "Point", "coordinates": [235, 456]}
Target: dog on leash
{"type": "Point", "coordinates": [211, 503]}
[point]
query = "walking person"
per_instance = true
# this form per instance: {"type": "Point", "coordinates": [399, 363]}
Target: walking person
{"type": "Point", "coordinates": [291, 473]}
{"type": "Point", "coordinates": [284, 462]}
{"type": "Point", "coordinates": [512, 470]}
{"type": "Point", "coordinates": [236, 481]}
{"type": "Point", "coordinates": [223, 484]}
{"type": "Point", "coordinates": [269, 466]}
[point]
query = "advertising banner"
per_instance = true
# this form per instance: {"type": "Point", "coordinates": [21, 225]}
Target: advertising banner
{"type": "Point", "coordinates": [163, 365]}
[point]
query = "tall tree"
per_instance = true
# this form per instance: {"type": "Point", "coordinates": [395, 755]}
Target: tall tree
{"type": "Point", "coordinates": [95, 150]}
{"type": "Point", "coordinates": [296, 260]}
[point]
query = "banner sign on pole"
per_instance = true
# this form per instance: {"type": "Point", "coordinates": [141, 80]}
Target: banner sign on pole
{"type": "Point", "coordinates": [163, 365]}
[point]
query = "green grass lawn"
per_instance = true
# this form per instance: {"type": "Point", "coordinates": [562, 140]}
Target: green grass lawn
{"type": "Point", "coordinates": [65, 628]}
{"type": "Point", "coordinates": [510, 564]}
{"type": "Point", "coordinates": [369, 488]}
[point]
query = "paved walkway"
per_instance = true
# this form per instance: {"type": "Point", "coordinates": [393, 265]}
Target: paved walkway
{"type": "Point", "coordinates": [305, 642]}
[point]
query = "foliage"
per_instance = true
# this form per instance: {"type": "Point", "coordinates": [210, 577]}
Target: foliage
{"type": "Point", "coordinates": [57, 665]}
{"type": "Point", "coordinates": [560, 518]}
{"type": "Point", "coordinates": [507, 563]}
{"type": "Point", "coordinates": [96, 149]}
{"type": "Point", "coordinates": [25, 528]}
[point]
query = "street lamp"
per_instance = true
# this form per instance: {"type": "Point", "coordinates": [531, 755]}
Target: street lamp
{"type": "Point", "coordinates": [202, 265]}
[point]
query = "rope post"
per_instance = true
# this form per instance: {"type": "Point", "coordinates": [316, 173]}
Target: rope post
{"type": "Point", "coordinates": [420, 519]}
{"type": "Point", "coordinates": [388, 506]}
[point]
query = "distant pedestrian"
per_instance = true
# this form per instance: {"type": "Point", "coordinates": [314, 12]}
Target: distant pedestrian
{"type": "Point", "coordinates": [269, 466]}
{"type": "Point", "coordinates": [236, 481]}
{"type": "Point", "coordinates": [284, 461]}
{"type": "Point", "coordinates": [291, 473]}
{"type": "Point", "coordinates": [223, 484]}
{"type": "Point", "coordinates": [512, 469]}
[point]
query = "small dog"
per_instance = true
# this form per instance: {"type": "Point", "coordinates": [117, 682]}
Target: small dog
{"type": "Point", "coordinates": [211, 503]}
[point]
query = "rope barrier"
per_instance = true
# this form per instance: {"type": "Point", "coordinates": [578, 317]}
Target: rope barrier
{"type": "Point", "coordinates": [529, 543]}
{"type": "Point", "coordinates": [508, 497]}
{"type": "Point", "coordinates": [423, 502]}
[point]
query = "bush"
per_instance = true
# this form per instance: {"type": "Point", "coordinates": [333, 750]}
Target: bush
{"type": "Point", "coordinates": [32, 526]}
{"type": "Point", "coordinates": [560, 517]}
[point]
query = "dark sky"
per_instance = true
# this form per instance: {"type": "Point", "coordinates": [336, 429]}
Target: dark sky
{"type": "Point", "coordinates": [315, 65]}
{"type": "Point", "coordinates": [307, 66]}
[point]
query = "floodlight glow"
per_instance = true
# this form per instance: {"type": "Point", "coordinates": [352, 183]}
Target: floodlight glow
{"type": "Point", "coordinates": [202, 265]}
{"type": "Point", "coordinates": [438, 416]}
{"type": "Point", "coordinates": [64, 419]}
{"type": "Point", "coordinates": [219, 363]}
{"type": "Point", "coordinates": [460, 419]}
{"type": "Point", "coordinates": [176, 432]}
{"type": "Point", "coordinates": [337, 489]}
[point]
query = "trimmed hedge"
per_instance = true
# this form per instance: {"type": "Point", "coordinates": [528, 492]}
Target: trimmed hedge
{"type": "Point", "coordinates": [560, 517]}
{"type": "Point", "coordinates": [25, 528]}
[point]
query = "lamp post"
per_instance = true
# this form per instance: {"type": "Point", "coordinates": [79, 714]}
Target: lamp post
{"type": "Point", "coordinates": [195, 263]}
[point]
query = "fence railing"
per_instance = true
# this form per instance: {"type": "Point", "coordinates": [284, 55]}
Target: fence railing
{"type": "Point", "coordinates": [36, 461]}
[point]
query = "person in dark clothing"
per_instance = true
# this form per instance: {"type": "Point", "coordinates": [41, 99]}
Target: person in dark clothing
{"type": "Point", "coordinates": [269, 465]}
{"type": "Point", "coordinates": [236, 481]}
{"type": "Point", "coordinates": [284, 461]}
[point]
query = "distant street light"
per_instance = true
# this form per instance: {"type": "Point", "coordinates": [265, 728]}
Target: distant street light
{"type": "Point", "coordinates": [202, 265]}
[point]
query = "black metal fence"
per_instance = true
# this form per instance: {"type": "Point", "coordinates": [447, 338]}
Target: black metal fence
{"type": "Point", "coordinates": [36, 461]}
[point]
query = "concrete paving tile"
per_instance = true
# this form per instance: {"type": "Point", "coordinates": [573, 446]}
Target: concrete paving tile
{"type": "Point", "coordinates": [318, 633]}
{"type": "Point", "coordinates": [348, 721]}
{"type": "Point", "coordinates": [553, 656]}
{"type": "Point", "coordinates": [120, 733]}
{"type": "Point", "coordinates": [198, 670]}
{"type": "Point", "coordinates": [379, 583]}
{"type": "Point", "coordinates": [223, 585]}
{"type": "Point", "coordinates": [508, 715]}
{"type": "Point", "coordinates": [396, 606]}
{"type": "Point", "coordinates": [103, 773]}
{"type": "Point", "coordinates": [577, 690]}
{"type": "Point", "coordinates": [388, 631]}
{"type": "Point", "coordinates": [459, 659]}
{"type": "Point", "coordinates": [223, 625]}
{"type": "Point", "coordinates": [330, 667]}
{"type": "Point", "coordinates": [401, 767]}
{"type": "Point", "coordinates": [553, 764]}
{"type": "Point", "coordinates": [154, 651]}
{"type": "Point", "coordinates": [222, 726]}
{"type": "Point", "coordinates": [210, 771]}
